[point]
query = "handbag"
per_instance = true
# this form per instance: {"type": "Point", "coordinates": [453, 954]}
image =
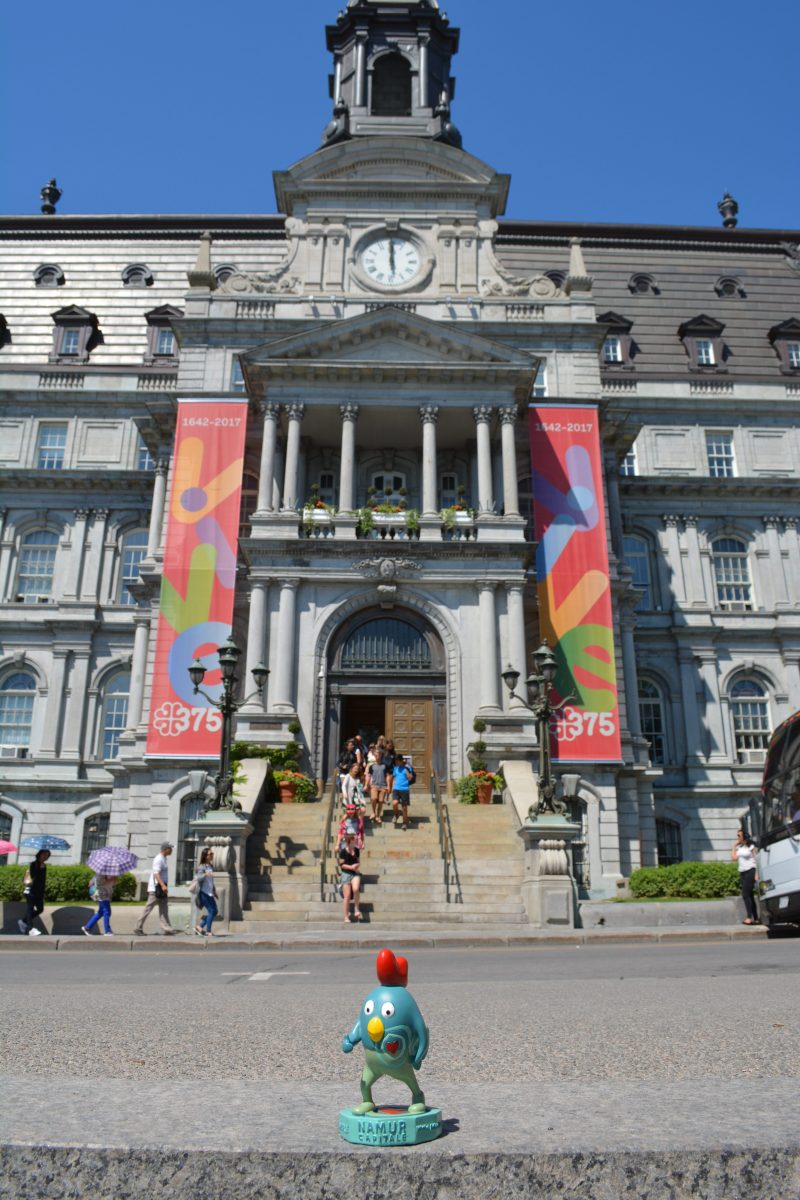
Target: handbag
{"type": "Point", "coordinates": [161, 891]}
{"type": "Point", "coordinates": [193, 886]}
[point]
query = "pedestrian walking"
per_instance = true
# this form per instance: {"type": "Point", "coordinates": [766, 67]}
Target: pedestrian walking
{"type": "Point", "coordinates": [403, 777]}
{"type": "Point", "coordinates": [103, 892]}
{"type": "Point", "coordinates": [206, 893]}
{"type": "Point", "coordinates": [744, 852]}
{"type": "Point", "coordinates": [350, 877]}
{"type": "Point", "coordinates": [353, 789]}
{"type": "Point", "coordinates": [158, 892]}
{"type": "Point", "coordinates": [376, 782]}
{"type": "Point", "coordinates": [33, 890]}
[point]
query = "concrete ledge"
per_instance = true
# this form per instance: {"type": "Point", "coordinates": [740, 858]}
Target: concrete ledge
{"type": "Point", "coordinates": [598, 1141]}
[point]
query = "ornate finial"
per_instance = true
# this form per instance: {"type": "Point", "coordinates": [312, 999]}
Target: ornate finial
{"type": "Point", "coordinates": [728, 208]}
{"type": "Point", "coordinates": [50, 196]}
{"type": "Point", "coordinates": [201, 275]}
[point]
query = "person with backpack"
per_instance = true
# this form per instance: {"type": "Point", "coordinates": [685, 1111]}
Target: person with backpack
{"type": "Point", "coordinates": [101, 889]}
{"type": "Point", "coordinates": [33, 886]}
{"type": "Point", "coordinates": [403, 777]}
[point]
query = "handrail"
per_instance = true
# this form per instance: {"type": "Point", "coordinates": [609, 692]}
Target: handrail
{"type": "Point", "coordinates": [326, 836]}
{"type": "Point", "coordinates": [446, 847]}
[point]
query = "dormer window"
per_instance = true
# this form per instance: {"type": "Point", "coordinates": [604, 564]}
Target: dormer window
{"type": "Point", "coordinates": [137, 275]}
{"type": "Point", "coordinates": [785, 339]}
{"type": "Point", "coordinates": [162, 347]}
{"type": "Point", "coordinates": [75, 335]}
{"type": "Point", "coordinates": [617, 349]}
{"type": "Point", "coordinates": [702, 340]}
{"type": "Point", "coordinates": [48, 275]}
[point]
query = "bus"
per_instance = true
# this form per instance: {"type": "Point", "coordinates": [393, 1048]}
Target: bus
{"type": "Point", "coordinates": [775, 821]}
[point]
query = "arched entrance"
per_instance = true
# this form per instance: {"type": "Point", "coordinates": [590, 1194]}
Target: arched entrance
{"type": "Point", "coordinates": [386, 674]}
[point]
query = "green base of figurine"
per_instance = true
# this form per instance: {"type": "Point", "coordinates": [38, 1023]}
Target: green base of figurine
{"type": "Point", "coordinates": [387, 1125]}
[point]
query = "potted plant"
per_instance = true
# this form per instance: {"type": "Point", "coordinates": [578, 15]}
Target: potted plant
{"type": "Point", "coordinates": [364, 521]}
{"type": "Point", "coordinates": [412, 521]}
{"type": "Point", "coordinates": [294, 787]}
{"type": "Point", "coordinates": [478, 787]}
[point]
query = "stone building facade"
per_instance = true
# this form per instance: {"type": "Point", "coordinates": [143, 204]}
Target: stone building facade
{"type": "Point", "coordinates": [389, 329]}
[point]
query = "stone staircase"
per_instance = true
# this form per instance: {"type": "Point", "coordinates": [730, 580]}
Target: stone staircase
{"type": "Point", "coordinates": [402, 871]}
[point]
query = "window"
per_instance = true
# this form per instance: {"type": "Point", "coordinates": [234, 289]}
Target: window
{"type": "Point", "coordinates": [50, 446]}
{"type": "Point", "coordinates": [793, 354]}
{"type": "Point", "coordinates": [637, 556]}
{"type": "Point", "coordinates": [48, 275]}
{"type": "Point", "coordinates": [732, 574]}
{"type": "Point", "coordinates": [628, 465]}
{"type": "Point", "coordinates": [191, 810]}
{"type": "Point", "coordinates": [5, 835]}
{"type": "Point", "coordinates": [702, 341]}
{"type": "Point", "coordinates": [651, 719]}
{"type": "Point", "coordinates": [391, 86]}
{"type": "Point", "coordinates": [386, 644]}
{"type": "Point", "coordinates": [785, 340]}
{"type": "Point", "coordinates": [37, 557]}
{"type": "Point", "coordinates": [668, 843]}
{"type": "Point", "coordinates": [162, 347]}
{"type": "Point", "coordinates": [728, 286]}
{"type": "Point", "coordinates": [75, 335]}
{"type": "Point", "coordinates": [115, 713]}
{"type": "Point", "coordinates": [237, 378]}
{"type": "Point", "coordinates": [540, 383]}
{"type": "Point", "coordinates": [134, 549]}
{"type": "Point", "coordinates": [137, 275]}
{"type": "Point", "coordinates": [612, 350]}
{"type": "Point", "coordinates": [144, 459]}
{"type": "Point", "coordinates": [17, 693]}
{"type": "Point", "coordinates": [719, 455]}
{"type": "Point", "coordinates": [95, 834]}
{"type": "Point", "coordinates": [327, 487]}
{"type": "Point", "coordinates": [705, 352]}
{"type": "Point", "coordinates": [448, 490]}
{"type": "Point", "coordinates": [750, 717]}
{"type": "Point", "coordinates": [640, 284]}
{"type": "Point", "coordinates": [387, 487]}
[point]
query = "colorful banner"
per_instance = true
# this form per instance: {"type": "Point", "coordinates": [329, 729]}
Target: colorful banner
{"type": "Point", "coordinates": [572, 580]}
{"type": "Point", "coordinates": [197, 586]}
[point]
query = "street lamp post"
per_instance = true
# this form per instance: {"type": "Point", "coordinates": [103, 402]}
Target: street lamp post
{"type": "Point", "coordinates": [229, 655]}
{"type": "Point", "coordinates": [539, 685]}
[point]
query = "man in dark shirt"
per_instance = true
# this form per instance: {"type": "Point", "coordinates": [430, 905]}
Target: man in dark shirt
{"type": "Point", "coordinates": [350, 877]}
{"type": "Point", "coordinates": [33, 891]}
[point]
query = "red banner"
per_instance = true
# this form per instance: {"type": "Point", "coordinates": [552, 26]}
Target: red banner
{"type": "Point", "coordinates": [197, 585]}
{"type": "Point", "coordinates": [572, 580]}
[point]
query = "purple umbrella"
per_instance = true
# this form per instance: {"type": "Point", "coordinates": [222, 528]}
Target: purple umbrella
{"type": "Point", "coordinates": [112, 860]}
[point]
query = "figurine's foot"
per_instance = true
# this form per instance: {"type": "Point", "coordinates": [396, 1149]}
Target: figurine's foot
{"type": "Point", "coordinates": [417, 1108]}
{"type": "Point", "coordinates": [366, 1107]}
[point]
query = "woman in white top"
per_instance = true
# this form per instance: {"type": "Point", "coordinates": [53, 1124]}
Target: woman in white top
{"type": "Point", "coordinates": [206, 892]}
{"type": "Point", "coordinates": [744, 853]}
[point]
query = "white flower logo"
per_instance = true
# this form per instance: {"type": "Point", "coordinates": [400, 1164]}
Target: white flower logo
{"type": "Point", "coordinates": [172, 719]}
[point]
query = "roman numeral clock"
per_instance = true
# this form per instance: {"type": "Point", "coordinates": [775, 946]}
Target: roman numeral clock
{"type": "Point", "coordinates": [391, 261]}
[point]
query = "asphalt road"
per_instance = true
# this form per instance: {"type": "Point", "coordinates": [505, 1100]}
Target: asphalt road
{"type": "Point", "coordinates": [547, 1014]}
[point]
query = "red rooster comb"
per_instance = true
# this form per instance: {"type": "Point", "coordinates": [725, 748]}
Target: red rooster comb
{"type": "Point", "coordinates": [392, 972]}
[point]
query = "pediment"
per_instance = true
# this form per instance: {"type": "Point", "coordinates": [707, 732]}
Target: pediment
{"type": "Point", "coordinates": [389, 336]}
{"type": "Point", "coordinates": [786, 329]}
{"type": "Point", "coordinates": [701, 325]}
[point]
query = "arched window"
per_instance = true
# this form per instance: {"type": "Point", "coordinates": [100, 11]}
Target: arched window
{"type": "Point", "coordinates": [115, 713]}
{"type": "Point", "coordinates": [391, 86]}
{"type": "Point", "coordinates": [134, 549]}
{"type": "Point", "coordinates": [223, 272]}
{"type": "Point", "coordinates": [95, 834]}
{"type": "Point", "coordinates": [48, 275]}
{"type": "Point", "coordinates": [750, 717]}
{"type": "Point", "coordinates": [191, 809]}
{"type": "Point", "coordinates": [17, 693]}
{"type": "Point", "coordinates": [732, 574]}
{"type": "Point", "coordinates": [637, 557]}
{"type": "Point", "coordinates": [668, 843]}
{"type": "Point", "coordinates": [651, 719]}
{"type": "Point", "coordinates": [5, 835]}
{"type": "Point", "coordinates": [137, 275]}
{"type": "Point", "coordinates": [386, 644]}
{"type": "Point", "coordinates": [37, 558]}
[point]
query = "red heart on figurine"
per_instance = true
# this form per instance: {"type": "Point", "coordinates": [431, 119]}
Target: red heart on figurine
{"type": "Point", "coordinates": [392, 1047]}
{"type": "Point", "coordinates": [392, 972]}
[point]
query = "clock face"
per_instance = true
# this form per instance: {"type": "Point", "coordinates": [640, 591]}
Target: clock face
{"type": "Point", "coordinates": [390, 261]}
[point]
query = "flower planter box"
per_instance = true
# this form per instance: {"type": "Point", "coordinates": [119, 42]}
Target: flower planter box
{"type": "Point", "coordinates": [317, 516]}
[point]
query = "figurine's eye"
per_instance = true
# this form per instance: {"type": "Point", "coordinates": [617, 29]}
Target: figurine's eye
{"type": "Point", "coordinates": [387, 1010]}
{"type": "Point", "coordinates": [369, 1008]}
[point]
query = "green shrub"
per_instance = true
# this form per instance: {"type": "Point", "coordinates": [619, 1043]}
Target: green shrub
{"type": "Point", "coordinates": [690, 880]}
{"type": "Point", "coordinates": [11, 881]}
{"type": "Point", "coordinates": [125, 888]}
{"type": "Point", "coordinates": [64, 885]}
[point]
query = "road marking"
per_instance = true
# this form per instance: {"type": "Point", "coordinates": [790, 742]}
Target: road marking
{"type": "Point", "coordinates": [262, 976]}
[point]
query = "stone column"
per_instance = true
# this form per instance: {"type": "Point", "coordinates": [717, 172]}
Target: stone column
{"type": "Point", "coordinates": [791, 544]}
{"type": "Point", "coordinates": [779, 593]}
{"type": "Point", "coordinates": [93, 569]}
{"type": "Point", "coordinates": [423, 74]}
{"type": "Point", "coordinates": [483, 416]}
{"type": "Point", "coordinates": [141, 640]}
{"type": "Point", "coordinates": [696, 588]}
{"type": "Point", "coordinates": [429, 415]}
{"type": "Point", "coordinates": [256, 637]}
{"type": "Point", "coordinates": [674, 558]}
{"type": "Point", "coordinates": [54, 705]}
{"type": "Point", "coordinates": [269, 441]}
{"type": "Point", "coordinates": [76, 707]}
{"type": "Point", "coordinates": [516, 636]}
{"type": "Point", "coordinates": [791, 664]}
{"type": "Point", "coordinates": [490, 674]}
{"type": "Point", "coordinates": [360, 71]}
{"type": "Point", "coordinates": [709, 674]}
{"type": "Point", "coordinates": [508, 417]}
{"type": "Point", "coordinates": [292, 469]}
{"type": "Point", "coordinates": [691, 715]}
{"type": "Point", "coordinates": [282, 692]}
{"type": "Point", "coordinates": [75, 561]}
{"type": "Point", "coordinates": [157, 510]}
{"type": "Point", "coordinates": [614, 505]}
{"type": "Point", "coordinates": [627, 626]}
{"type": "Point", "coordinates": [347, 465]}
{"type": "Point", "coordinates": [6, 547]}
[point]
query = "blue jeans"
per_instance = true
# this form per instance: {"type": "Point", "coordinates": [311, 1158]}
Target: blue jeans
{"type": "Point", "coordinates": [104, 911]}
{"type": "Point", "coordinates": [210, 905]}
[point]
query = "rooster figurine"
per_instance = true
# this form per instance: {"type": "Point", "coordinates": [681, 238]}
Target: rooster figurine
{"type": "Point", "coordinates": [393, 1033]}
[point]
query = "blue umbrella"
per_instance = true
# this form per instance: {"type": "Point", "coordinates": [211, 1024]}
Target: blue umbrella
{"type": "Point", "coordinates": [112, 860]}
{"type": "Point", "coordinates": [43, 841]}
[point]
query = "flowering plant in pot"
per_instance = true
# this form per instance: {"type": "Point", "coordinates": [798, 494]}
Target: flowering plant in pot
{"type": "Point", "coordinates": [295, 787]}
{"type": "Point", "coordinates": [478, 787]}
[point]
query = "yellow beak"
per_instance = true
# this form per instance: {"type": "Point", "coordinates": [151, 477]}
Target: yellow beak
{"type": "Point", "coordinates": [375, 1030]}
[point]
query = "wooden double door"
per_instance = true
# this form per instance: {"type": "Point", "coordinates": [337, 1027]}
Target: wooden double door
{"type": "Point", "coordinates": [411, 721]}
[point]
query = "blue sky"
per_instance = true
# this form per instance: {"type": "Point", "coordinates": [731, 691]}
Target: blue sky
{"type": "Point", "coordinates": [631, 111]}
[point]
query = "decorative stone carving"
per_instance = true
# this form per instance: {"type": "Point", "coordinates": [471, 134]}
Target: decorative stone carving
{"type": "Point", "coordinates": [386, 569]}
{"type": "Point", "coordinates": [269, 281]}
{"type": "Point", "coordinates": [537, 286]}
{"type": "Point", "coordinates": [792, 251]}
